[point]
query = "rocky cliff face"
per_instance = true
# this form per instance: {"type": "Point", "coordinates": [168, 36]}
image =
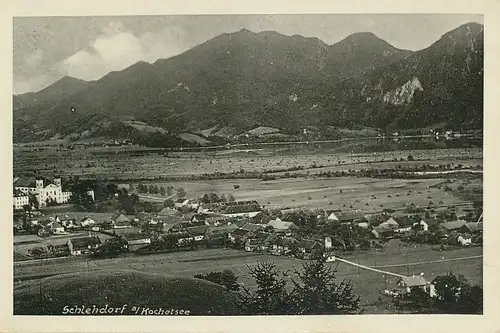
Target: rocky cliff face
{"type": "Point", "coordinates": [403, 95]}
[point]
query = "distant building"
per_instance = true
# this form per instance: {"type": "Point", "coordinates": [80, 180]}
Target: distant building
{"type": "Point", "coordinates": [84, 245]}
{"type": "Point", "coordinates": [409, 283]}
{"type": "Point", "coordinates": [21, 199]}
{"type": "Point", "coordinates": [44, 190]}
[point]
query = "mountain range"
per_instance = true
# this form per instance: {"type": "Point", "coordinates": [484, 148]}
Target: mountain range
{"type": "Point", "coordinates": [243, 80]}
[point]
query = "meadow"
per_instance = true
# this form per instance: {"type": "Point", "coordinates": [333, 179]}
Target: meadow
{"type": "Point", "coordinates": [138, 162]}
{"type": "Point", "coordinates": [410, 260]}
{"type": "Point", "coordinates": [346, 193]}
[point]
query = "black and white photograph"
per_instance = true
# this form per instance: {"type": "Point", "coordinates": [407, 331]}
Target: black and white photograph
{"type": "Point", "coordinates": [247, 164]}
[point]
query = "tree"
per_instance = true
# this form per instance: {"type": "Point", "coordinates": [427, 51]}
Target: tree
{"type": "Point", "coordinates": [37, 251]}
{"type": "Point", "coordinates": [454, 295]}
{"type": "Point", "coordinates": [170, 191]}
{"type": "Point", "coordinates": [162, 191]}
{"type": "Point", "coordinates": [169, 203]}
{"type": "Point", "coordinates": [316, 292]}
{"type": "Point", "coordinates": [271, 297]}
{"type": "Point", "coordinates": [410, 158]}
{"type": "Point", "coordinates": [230, 198]}
{"type": "Point", "coordinates": [224, 278]}
{"type": "Point", "coordinates": [181, 192]}
{"type": "Point", "coordinates": [223, 198]}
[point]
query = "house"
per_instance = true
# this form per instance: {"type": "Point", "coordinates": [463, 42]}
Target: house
{"type": "Point", "coordinates": [169, 219]}
{"type": "Point", "coordinates": [136, 241]}
{"type": "Point", "coordinates": [179, 225]}
{"type": "Point", "coordinates": [283, 245]}
{"type": "Point", "coordinates": [219, 235]}
{"type": "Point", "coordinates": [347, 217]}
{"type": "Point", "coordinates": [87, 222]}
{"type": "Point", "coordinates": [389, 224]}
{"type": "Point", "coordinates": [260, 242]}
{"type": "Point", "coordinates": [290, 213]}
{"type": "Point", "coordinates": [253, 227]}
{"type": "Point", "coordinates": [409, 283]}
{"type": "Point", "coordinates": [240, 235]}
{"type": "Point", "coordinates": [385, 231]}
{"type": "Point", "coordinates": [21, 199]}
{"type": "Point", "coordinates": [309, 249]}
{"type": "Point", "coordinates": [241, 209]}
{"type": "Point", "coordinates": [57, 228]}
{"type": "Point", "coordinates": [472, 228]}
{"type": "Point", "coordinates": [330, 215]}
{"type": "Point", "coordinates": [182, 202]}
{"type": "Point", "coordinates": [426, 224]}
{"type": "Point", "coordinates": [45, 190]}
{"type": "Point", "coordinates": [282, 226]}
{"type": "Point", "coordinates": [212, 220]}
{"type": "Point", "coordinates": [83, 245]}
{"type": "Point", "coordinates": [364, 225]}
{"type": "Point", "coordinates": [453, 225]}
{"type": "Point", "coordinates": [197, 232]}
{"type": "Point", "coordinates": [169, 212]}
{"type": "Point", "coordinates": [464, 239]}
{"type": "Point", "coordinates": [121, 221]}
{"type": "Point", "coordinates": [405, 224]}
{"type": "Point", "coordinates": [376, 219]}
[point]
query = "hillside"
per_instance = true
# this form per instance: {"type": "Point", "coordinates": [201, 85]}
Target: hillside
{"type": "Point", "coordinates": [118, 287]}
{"type": "Point", "coordinates": [245, 80]}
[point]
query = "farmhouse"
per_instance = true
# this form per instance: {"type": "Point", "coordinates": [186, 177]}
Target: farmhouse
{"type": "Point", "coordinates": [308, 248]}
{"type": "Point", "coordinates": [252, 227]}
{"type": "Point", "coordinates": [84, 245]}
{"type": "Point", "coordinates": [121, 221]}
{"type": "Point", "coordinates": [347, 217]}
{"type": "Point", "coordinates": [169, 212]}
{"type": "Point", "coordinates": [136, 241]}
{"type": "Point", "coordinates": [45, 191]}
{"type": "Point", "coordinates": [389, 224]}
{"type": "Point", "coordinates": [237, 209]}
{"type": "Point", "coordinates": [182, 202]}
{"type": "Point", "coordinates": [375, 219]}
{"type": "Point", "coordinates": [405, 224]}
{"type": "Point", "coordinates": [240, 235]}
{"type": "Point", "coordinates": [57, 228]}
{"type": "Point", "coordinates": [260, 242]}
{"type": "Point", "coordinates": [282, 226]}
{"type": "Point", "coordinates": [287, 214]}
{"type": "Point", "coordinates": [197, 232]}
{"type": "Point", "coordinates": [472, 228]}
{"type": "Point", "coordinates": [453, 225]}
{"type": "Point", "coordinates": [426, 224]}
{"type": "Point", "coordinates": [409, 283]}
{"type": "Point", "coordinates": [86, 222]}
{"type": "Point", "coordinates": [284, 245]}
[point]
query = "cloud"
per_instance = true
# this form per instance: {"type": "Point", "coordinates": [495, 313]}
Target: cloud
{"type": "Point", "coordinates": [117, 48]}
{"type": "Point", "coordinates": [34, 83]}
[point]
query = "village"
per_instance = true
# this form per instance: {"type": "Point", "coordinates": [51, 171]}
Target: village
{"type": "Point", "coordinates": [215, 222]}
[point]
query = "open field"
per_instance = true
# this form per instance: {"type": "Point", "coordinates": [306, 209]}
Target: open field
{"type": "Point", "coordinates": [127, 163]}
{"type": "Point", "coordinates": [365, 194]}
{"type": "Point", "coordinates": [366, 284]}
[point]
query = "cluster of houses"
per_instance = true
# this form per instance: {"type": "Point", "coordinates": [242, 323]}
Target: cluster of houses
{"type": "Point", "coordinates": [243, 225]}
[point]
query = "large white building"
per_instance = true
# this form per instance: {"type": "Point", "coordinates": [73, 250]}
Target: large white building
{"type": "Point", "coordinates": [45, 191]}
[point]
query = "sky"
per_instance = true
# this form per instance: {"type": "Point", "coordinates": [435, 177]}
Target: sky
{"type": "Point", "coordinates": [49, 48]}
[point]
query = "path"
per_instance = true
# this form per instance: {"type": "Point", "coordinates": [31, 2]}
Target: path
{"type": "Point", "coordinates": [374, 268]}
